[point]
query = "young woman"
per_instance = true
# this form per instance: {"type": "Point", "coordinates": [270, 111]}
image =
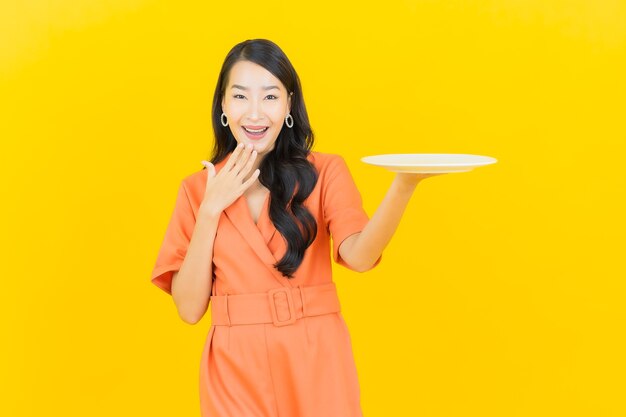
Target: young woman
{"type": "Point", "coordinates": [250, 235]}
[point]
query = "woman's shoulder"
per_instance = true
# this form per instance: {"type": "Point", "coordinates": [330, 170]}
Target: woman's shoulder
{"type": "Point", "coordinates": [198, 178]}
{"type": "Point", "coordinates": [323, 160]}
{"type": "Point", "coordinates": [195, 184]}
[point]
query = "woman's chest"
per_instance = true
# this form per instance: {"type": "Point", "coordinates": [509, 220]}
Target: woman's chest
{"type": "Point", "coordinates": [255, 202]}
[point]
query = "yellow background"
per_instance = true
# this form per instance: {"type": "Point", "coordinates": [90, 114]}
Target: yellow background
{"type": "Point", "coordinates": [502, 291]}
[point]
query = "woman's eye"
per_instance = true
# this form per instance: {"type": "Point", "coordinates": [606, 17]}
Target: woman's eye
{"type": "Point", "coordinates": [240, 95]}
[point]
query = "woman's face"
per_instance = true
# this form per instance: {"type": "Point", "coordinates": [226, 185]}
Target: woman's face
{"type": "Point", "coordinates": [255, 99]}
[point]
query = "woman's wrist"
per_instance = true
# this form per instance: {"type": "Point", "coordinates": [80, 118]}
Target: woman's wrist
{"type": "Point", "coordinates": [407, 182]}
{"type": "Point", "coordinates": [206, 210]}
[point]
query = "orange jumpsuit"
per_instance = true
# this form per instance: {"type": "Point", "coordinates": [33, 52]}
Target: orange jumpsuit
{"type": "Point", "coordinates": [305, 368]}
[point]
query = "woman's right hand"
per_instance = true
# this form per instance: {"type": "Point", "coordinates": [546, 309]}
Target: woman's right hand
{"type": "Point", "coordinates": [223, 188]}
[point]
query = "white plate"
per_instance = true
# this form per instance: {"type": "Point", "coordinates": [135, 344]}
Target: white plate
{"type": "Point", "coordinates": [429, 162]}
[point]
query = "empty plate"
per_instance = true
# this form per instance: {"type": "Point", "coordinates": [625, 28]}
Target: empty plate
{"type": "Point", "coordinates": [429, 162]}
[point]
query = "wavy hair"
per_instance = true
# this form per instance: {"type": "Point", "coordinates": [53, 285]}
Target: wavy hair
{"type": "Point", "coordinates": [285, 168]}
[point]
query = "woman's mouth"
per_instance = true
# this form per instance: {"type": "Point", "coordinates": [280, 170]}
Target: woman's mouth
{"type": "Point", "coordinates": [255, 133]}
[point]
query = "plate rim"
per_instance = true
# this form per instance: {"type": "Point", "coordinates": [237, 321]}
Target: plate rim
{"type": "Point", "coordinates": [490, 160]}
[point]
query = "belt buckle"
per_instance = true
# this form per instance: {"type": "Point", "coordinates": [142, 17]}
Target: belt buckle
{"type": "Point", "coordinates": [292, 309]}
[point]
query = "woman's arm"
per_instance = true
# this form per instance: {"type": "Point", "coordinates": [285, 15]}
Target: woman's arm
{"type": "Point", "coordinates": [362, 249]}
{"type": "Point", "coordinates": [191, 286]}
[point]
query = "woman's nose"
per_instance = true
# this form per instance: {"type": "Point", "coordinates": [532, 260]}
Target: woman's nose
{"type": "Point", "coordinates": [255, 109]}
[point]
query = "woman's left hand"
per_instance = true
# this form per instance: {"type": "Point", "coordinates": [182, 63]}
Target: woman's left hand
{"type": "Point", "coordinates": [411, 179]}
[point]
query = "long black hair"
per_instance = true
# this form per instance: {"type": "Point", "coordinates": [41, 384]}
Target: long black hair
{"type": "Point", "coordinates": [286, 166]}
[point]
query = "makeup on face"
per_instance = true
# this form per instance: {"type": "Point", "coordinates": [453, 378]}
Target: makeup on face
{"type": "Point", "coordinates": [256, 104]}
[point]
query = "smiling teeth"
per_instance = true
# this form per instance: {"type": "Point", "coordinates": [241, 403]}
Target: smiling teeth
{"type": "Point", "coordinates": [255, 131]}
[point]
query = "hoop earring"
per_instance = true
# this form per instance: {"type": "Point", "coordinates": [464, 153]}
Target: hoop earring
{"type": "Point", "coordinates": [222, 120]}
{"type": "Point", "coordinates": [287, 123]}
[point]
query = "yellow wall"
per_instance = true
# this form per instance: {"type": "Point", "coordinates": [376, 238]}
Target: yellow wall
{"type": "Point", "coordinates": [502, 292]}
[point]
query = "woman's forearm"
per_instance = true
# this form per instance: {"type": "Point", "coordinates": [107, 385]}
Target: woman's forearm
{"type": "Point", "coordinates": [191, 286]}
{"type": "Point", "coordinates": [363, 249]}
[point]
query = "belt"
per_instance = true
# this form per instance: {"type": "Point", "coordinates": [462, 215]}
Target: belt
{"type": "Point", "coordinates": [280, 306]}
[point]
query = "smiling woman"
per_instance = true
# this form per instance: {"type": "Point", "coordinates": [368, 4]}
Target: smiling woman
{"type": "Point", "coordinates": [253, 102]}
{"type": "Point", "coordinates": [259, 251]}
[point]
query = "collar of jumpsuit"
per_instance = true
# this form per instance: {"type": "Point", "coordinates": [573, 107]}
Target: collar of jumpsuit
{"type": "Point", "coordinates": [256, 235]}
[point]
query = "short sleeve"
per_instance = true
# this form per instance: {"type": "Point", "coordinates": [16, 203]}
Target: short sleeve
{"type": "Point", "coordinates": [343, 206]}
{"type": "Point", "coordinates": [175, 243]}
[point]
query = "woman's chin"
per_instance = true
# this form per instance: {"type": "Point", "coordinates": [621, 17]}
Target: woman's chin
{"type": "Point", "coordinates": [262, 148]}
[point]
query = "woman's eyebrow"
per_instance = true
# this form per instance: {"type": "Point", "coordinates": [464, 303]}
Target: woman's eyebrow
{"type": "Point", "coordinates": [267, 87]}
